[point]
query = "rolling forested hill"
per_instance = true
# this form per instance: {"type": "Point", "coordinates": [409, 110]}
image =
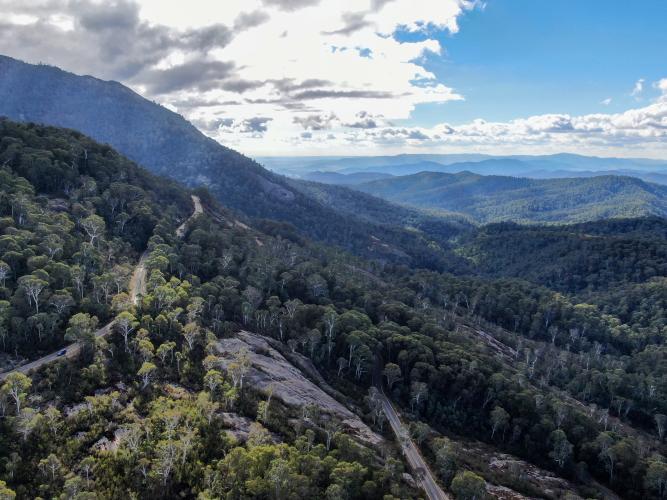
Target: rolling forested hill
{"type": "Point", "coordinates": [498, 198]}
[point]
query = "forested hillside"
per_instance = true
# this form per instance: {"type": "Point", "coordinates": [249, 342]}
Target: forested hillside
{"type": "Point", "coordinates": [576, 258]}
{"type": "Point", "coordinates": [143, 412]}
{"type": "Point", "coordinates": [165, 143]}
{"type": "Point", "coordinates": [160, 409]}
{"type": "Point", "coordinates": [74, 218]}
{"type": "Point", "coordinates": [496, 198]}
{"type": "Point", "coordinates": [343, 179]}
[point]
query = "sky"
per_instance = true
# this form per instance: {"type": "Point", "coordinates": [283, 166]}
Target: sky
{"type": "Point", "coordinates": [363, 77]}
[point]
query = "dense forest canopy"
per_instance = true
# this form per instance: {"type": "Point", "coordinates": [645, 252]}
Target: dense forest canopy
{"type": "Point", "coordinates": [569, 375]}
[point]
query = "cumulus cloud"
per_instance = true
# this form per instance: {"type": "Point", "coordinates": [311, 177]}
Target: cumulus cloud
{"type": "Point", "coordinates": [255, 125]}
{"type": "Point", "coordinates": [364, 120]}
{"type": "Point", "coordinates": [247, 20]}
{"type": "Point", "coordinates": [290, 5]}
{"type": "Point", "coordinates": [641, 129]}
{"type": "Point", "coordinates": [661, 85]}
{"type": "Point", "coordinates": [352, 22]}
{"type": "Point", "coordinates": [287, 60]}
{"type": "Point", "coordinates": [199, 75]}
{"type": "Point", "coordinates": [316, 122]}
{"type": "Point", "coordinates": [111, 40]}
{"type": "Point", "coordinates": [268, 75]}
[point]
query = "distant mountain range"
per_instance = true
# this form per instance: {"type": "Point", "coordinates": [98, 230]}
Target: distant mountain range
{"type": "Point", "coordinates": [503, 198]}
{"type": "Point", "coordinates": [507, 167]}
{"type": "Point", "coordinates": [518, 165]}
{"type": "Point", "coordinates": [293, 165]}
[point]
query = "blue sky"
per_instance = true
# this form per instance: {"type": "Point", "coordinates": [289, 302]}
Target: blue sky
{"type": "Point", "coordinates": [516, 58]}
{"type": "Point", "coordinates": [364, 77]}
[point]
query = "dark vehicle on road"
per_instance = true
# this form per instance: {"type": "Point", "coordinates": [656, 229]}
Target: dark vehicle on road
{"type": "Point", "coordinates": [62, 352]}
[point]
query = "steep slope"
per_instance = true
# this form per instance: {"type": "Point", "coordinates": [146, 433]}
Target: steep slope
{"type": "Point", "coordinates": [497, 198]}
{"type": "Point", "coordinates": [348, 202]}
{"type": "Point", "coordinates": [74, 218]}
{"type": "Point", "coordinates": [143, 408]}
{"type": "Point", "coordinates": [165, 143]}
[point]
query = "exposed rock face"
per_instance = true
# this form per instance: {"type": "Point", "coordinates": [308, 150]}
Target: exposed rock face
{"type": "Point", "coordinates": [240, 427]}
{"type": "Point", "coordinates": [503, 493]}
{"type": "Point", "coordinates": [500, 466]}
{"type": "Point", "coordinates": [290, 386]}
{"type": "Point", "coordinates": [551, 485]}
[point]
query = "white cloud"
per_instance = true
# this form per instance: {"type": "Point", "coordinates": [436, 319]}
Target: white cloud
{"type": "Point", "coordinates": [606, 102]}
{"type": "Point", "coordinates": [302, 76]}
{"type": "Point", "coordinates": [635, 132]}
{"type": "Point", "coordinates": [287, 60]}
{"type": "Point", "coordinates": [638, 88]}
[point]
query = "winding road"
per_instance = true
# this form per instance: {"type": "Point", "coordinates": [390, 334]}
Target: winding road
{"type": "Point", "coordinates": [415, 460]}
{"type": "Point", "coordinates": [180, 232]}
{"type": "Point", "coordinates": [137, 287]}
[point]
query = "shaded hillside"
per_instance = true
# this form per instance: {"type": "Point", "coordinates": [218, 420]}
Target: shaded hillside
{"type": "Point", "coordinates": [372, 209]}
{"type": "Point", "coordinates": [497, 198]}
{"type": "Point", "coordinates": [343, 179]}
{"type": "Point", "coordinates": [165, 143]}
{"type": "Point", "coordinates": [587, 257]}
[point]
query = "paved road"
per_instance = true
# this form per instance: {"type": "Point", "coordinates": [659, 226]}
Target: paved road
{"type": "Point", "coordinates": [137, 288]}
{"type": "Point", "coordinates": [412, 455]}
